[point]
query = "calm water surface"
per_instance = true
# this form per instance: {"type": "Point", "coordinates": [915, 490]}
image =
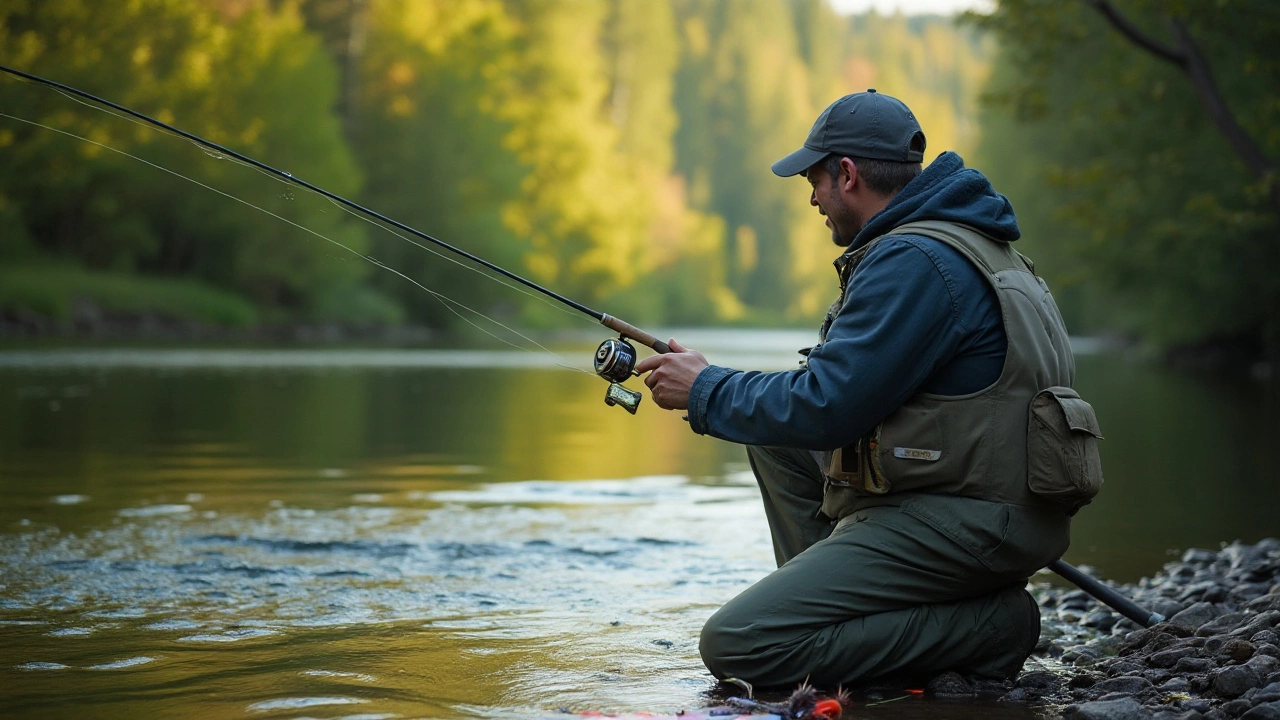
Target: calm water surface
{"type": "Point", "coordinates": [448, 534]}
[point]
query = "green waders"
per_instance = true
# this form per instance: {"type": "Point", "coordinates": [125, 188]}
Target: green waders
{"type": "Point", "coordinates": [927, 584]}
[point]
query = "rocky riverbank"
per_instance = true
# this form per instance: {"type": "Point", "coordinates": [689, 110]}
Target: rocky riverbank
{"type": "Point", "coordinates": [1216, 657]}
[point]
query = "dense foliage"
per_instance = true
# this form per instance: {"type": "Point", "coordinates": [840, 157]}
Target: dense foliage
{"type": "Point", "coordinates": [1148, 218]}
{"type": "Point", "coordinates": [617, 151]}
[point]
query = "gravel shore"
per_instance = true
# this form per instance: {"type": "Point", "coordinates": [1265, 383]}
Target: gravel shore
{"type": "Point", "coordinates": [1216, 657]}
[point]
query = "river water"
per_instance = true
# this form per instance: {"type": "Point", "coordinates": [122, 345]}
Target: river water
{"type": "Point", "coordinates": [451, 533]}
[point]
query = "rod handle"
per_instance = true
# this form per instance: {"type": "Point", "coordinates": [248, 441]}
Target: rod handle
{"type": "Point", "coordinates": [1122, 604]}
{"type": "Point", "coordinates": [628, 330]}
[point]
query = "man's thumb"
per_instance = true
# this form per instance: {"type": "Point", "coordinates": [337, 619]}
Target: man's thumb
{"type": "Point", "coordinates": [675, 346]}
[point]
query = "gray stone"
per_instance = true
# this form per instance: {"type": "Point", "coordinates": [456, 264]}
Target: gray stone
{"type": "Point", "coordinates": [1168, 715]}
{"type": "Point", "coordinates": [1236, 708]}
{"type": "Point", "coordinates": [1124, 667]}
{"type": "Point", "coordinates": [1264, 665]}
{"type": "Point", "coordinates": [1196, 616]}
{"type": "Point", "coordinates": [1246, 592]}
{"type": "Point", "coordinates": [1016, 695]}
{"type": "Point", "coordinates": [1082, 655]}
{"type": "Point", "coordinates": [1100, 619]}
{"type": "Point", "coordinates": [1174, 629]}
{"type": "Point", "coordinates": [1128, 684]}
{"type": "Point", "coordinates": [1166, 606]}
{"type": "Point", "coordinates": [1122, 709]}
{"type": "Point", "coordinates": [1082, 680]}
{"type": "Point", "coordinates": [1265, 711]}
{"type": "Point", "coordinates": [1232, 682]}
{"type": "Point", "coordinates": [1169, 658]}
{"type": "Point", "coordinates": [1211, 591]}
{"type": "Point", "coordinates": [1135, 640]}
{"type": "Point", "coordinates": [1262, 621]}
{"type": "Point", "coordinates": [1039, 680]}
{"type": "Point", "coordinates": [1158, 642]}
{"type": "Point", "coordinates": [1157, 676]}
{"type": "Point", "coordinates": [1199, 556]}
{"type": "Point", "coordinates": [950, 684]}
{"type": "Point", "coordinates": [1265, 637]}
{"type": "Point", "coordinates": [1194, 665]}
{"type": "Point", "coordinates": [1242, 555]}
{"type": "Point", "coordinates": [1176, 684]}
{"type": "Point", "coordinates": [1267, 694]}
{"type": "Point", "coordinates": [1270, 601]}
{"type": "Point", "coordinates": [1105, 646]}
{"type": "Point", "coordinates": [1219, 625]}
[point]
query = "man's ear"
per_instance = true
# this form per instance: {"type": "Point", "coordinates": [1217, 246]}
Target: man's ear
{"type": "Point", "coordinates": [849, 174]}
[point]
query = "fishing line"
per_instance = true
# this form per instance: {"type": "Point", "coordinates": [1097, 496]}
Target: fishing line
{"type": "Point", "coordinates": [444, 300]}
{"type": "Point", "coordinates": [602, 317]}
{"type": "Point", "coordinates": [615, 359]}
{"type": "Point", "coordinates": [209, 152]}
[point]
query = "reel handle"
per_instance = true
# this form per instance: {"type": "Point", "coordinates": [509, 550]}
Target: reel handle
{"type": "Point", "coordinates": [631, 331]}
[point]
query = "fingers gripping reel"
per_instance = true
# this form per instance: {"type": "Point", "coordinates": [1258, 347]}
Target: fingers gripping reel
{"type": "Point", "coordinates": [615, 361]}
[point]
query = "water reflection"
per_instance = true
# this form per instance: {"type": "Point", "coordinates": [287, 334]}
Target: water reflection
{"type": "Point", "coordinates": [372, 535]}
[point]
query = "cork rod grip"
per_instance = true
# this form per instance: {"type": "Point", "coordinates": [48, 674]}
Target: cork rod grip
{"type": "Point", "coordinates": [630, 331]}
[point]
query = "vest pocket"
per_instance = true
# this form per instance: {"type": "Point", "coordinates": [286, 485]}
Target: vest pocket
{"type": "Point", "coordinates": [851, 473]}
{"type": "Point", "coordinates": [1063, 464]}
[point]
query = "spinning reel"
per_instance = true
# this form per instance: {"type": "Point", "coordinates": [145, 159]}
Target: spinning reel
{"type": "Point", "coordinates": [616, 362]}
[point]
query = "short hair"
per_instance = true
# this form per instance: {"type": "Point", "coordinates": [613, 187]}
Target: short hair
{"type": "Point", "coordinates": [884, 177]}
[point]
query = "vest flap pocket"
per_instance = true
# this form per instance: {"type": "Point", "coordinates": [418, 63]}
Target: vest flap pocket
{"type": "Point", "coordinates": [1063, 463]}
{"type": "Point", "coordinates": [1078, 413]}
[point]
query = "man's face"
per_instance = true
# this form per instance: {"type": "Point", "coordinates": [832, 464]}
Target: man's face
{"type": "Point", "coordinates": [841, 219]}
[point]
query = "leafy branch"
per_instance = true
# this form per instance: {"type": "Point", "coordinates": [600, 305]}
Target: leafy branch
{"type": "Point", "coordinates": [1185, 54]}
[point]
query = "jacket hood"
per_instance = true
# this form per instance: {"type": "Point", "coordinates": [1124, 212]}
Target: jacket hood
{"type": "Point", "coordinates": [950, 192]}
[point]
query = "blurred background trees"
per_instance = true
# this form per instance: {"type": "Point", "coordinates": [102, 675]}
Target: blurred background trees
{"type": "Point", "coordinates": [1151, 221]}
{"type": "Point", "coordinates": [618, 152]}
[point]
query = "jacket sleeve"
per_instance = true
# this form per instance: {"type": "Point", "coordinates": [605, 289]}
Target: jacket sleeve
{"type": "Point", "coordinates": [899, 322]}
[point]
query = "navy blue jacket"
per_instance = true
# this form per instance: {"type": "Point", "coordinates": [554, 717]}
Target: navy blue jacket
{"type": "Point", "coordinates": [917, 316]}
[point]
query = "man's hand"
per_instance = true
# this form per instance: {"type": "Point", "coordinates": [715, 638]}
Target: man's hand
{"type": "Point", "coordinates": [671, 375]}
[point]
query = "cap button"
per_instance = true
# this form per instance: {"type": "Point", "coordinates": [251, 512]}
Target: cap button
{"type": "Point", "coordinates": [871, 90]}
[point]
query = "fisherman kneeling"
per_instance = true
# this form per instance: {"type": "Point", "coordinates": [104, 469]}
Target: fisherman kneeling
{"type": "Point", "coordinates": [906, 509]}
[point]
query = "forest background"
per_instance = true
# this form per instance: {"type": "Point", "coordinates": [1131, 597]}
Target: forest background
{"type": "Point", "coordinates": [618, 152]}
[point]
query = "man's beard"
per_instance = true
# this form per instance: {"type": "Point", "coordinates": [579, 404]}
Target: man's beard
{"type": "Point", "coordinates": [845, 238]}
{"type": "Point", "coordinates": [846, 223]}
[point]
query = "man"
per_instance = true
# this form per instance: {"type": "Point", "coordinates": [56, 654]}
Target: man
{"type": "Point", "coordinates": [893, 464]}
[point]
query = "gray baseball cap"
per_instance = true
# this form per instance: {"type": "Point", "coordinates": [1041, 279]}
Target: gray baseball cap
{"type": "Point", "coordinates": [866, 124]}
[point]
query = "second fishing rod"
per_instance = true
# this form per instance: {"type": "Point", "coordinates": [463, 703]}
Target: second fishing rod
{"type": "Point", "coordinates": [615, 359]}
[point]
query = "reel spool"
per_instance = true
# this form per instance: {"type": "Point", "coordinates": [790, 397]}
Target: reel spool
{"type": "Point", "coordinates": [615, 361]}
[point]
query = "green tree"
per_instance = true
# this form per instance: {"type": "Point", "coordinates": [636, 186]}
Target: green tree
{"type": "Point", "coordinates": [1136, 179]}
{"type": "Point", "coordinates": [246, 75]}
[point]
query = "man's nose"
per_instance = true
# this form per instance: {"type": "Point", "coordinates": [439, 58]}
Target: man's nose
{"type": "Point", "coordinates": [813, 198]}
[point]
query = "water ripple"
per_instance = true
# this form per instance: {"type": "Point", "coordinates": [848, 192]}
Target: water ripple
{"type": "Point", "coordinates": [297, 703]}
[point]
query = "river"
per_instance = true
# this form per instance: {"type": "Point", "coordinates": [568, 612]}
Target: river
{"type": "Point", "coordinates": [450, 533]}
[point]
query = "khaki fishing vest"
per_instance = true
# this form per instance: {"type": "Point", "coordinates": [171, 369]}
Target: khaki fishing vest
{"type": "Point", "coordinates": [1027, 439]}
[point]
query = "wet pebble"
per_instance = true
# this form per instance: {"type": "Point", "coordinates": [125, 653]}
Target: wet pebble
{"type": "Point", "coordinates": [1233, 681]}
{"type": "Point", "coordinates": [1119, 709]}
{"type": "Point", "coordinates": [1217, 657]}
{"type": "Point", "coordinates": [950, 684]}
{"type": "Point", "coordinates": [1265, 711]}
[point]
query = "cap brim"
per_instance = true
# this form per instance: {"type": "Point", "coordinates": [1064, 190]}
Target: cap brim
{"type": "Point", "coordinates": [797, 162]}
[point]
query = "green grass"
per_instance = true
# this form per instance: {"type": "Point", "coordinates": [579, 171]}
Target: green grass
{"type": "Point", "coordinates": [53, 290]}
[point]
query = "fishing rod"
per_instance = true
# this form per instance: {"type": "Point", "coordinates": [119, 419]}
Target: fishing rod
{"type": "Point", "coordinates": [615, 359]}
